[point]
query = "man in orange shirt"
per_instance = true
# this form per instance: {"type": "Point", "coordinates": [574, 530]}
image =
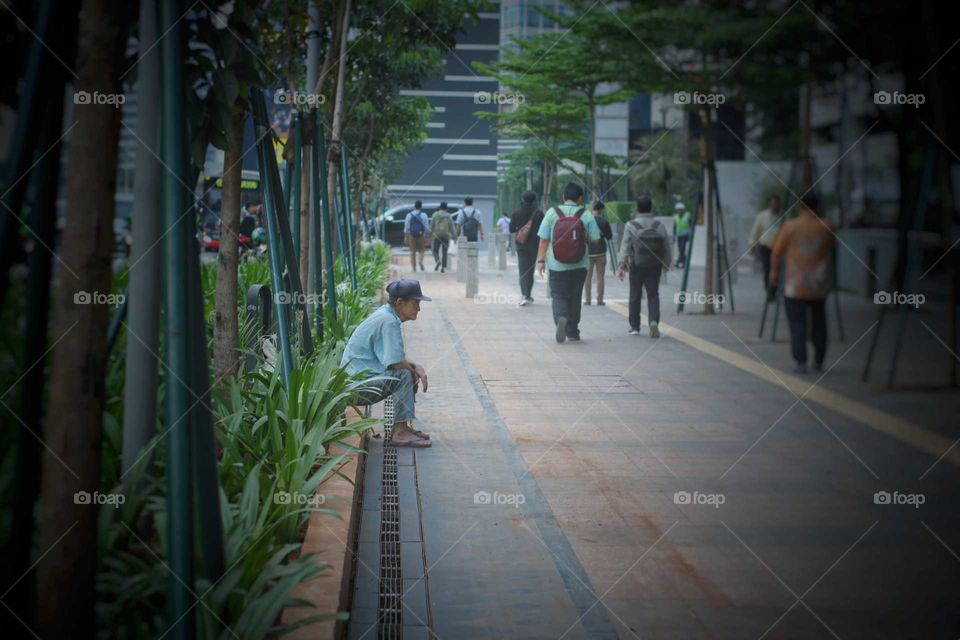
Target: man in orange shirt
{"type": "Point", "coordinates": [807, 243]}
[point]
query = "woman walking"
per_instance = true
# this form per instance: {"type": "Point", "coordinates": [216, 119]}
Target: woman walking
{"type": "Point", "coordinates": [525, 222]}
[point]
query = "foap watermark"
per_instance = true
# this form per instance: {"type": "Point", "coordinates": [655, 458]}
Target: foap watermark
{"type": "Point", "coordinates": [114, 100]}
{"type": "Point", "coordinates": [697, 297]}
{"type": "Point", "coordinates": [485, 498]}
{"type": "Point", "coordinates": [96, 498]}
{"type": "Point", "coordinates": [896, 498]}
{"type": "Point", "coordinates": [296, 498]}
{"type": "Point", "coordinates": [498, 97]}
{"type": "Point", "coordinates": [298, 98]}
{"type": "Point", "coordinates": [497, 297]}
{"type": "Point", "coordinates": [890, 98]}
{"type": "Point", "coordinates": [684, 98]}
{"type": "Point", "coordinates": [697, 498]}
{"type": "Point", "coordinates": [298, 297]}
{"type": "Point", "coordinates": [897, 297]}
{"type": "Point", "coordinates": [96, 297]}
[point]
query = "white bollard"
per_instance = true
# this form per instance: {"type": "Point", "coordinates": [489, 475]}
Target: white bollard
{"type": "Point", "coordinates": [472, 269]}
{"type": "Point", "coordinates": [461, 259]}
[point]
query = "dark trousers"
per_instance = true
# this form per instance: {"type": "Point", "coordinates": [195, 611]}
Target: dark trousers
{"type": "Point", "coordinates": [527, 264]}
{"type": "Point", "coordinates": [797, 315]}
{"type": "Point", "coordinates": [640, 279]}
{"type": "Point", "coordinates": [566, 288]}
{"type": "Point", "coordinates": [440, 248]}
{"type": "Point", "coordinates": [765, 253]}
{"type": "Point", "coordinates": [682, 249]}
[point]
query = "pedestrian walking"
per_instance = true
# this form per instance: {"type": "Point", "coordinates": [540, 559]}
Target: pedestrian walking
{"type": "Point", "coordinates": [762, 236]}
{"type": "Point", "coordinates": [441, 228]}
{"type": "Point", "coordinates": [564, 233]}
{"type": "Point", "coordinates": [468, 222]}
{"type": "Point", "coordinates": [598, 254]}
{"type": "Point", "coordinates": [645, 254]}
{"type": "Point", "coordinates": [807, 243]}
{"type": "Point", "coordinates": [416, 227]}
{"type": "Point", "coordinates": [503, 225]}
{"type": "Point", "coordinates": [681, 232]}
{"type": "Point", "coordinates": [376, 352]}
{"type": "Point", "coordinates": [525, 222]}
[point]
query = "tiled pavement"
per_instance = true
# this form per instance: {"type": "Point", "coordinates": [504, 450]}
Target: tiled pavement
{"type": "Point", "coordinates": [596, 438]}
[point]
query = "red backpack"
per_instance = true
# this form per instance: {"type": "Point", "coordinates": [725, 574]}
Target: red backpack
{"type": "Point", "coordinates": [569, 237]}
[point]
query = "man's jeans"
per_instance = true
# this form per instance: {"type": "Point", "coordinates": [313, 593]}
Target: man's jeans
{"type": "Point", "coordinates": [566, 287]}
{"type": "Point", "coordinates": [527, 265]}
{"type": "Point", "coordinates": [440, 248]}
{"type": "Point", "coordinates": [397, 383]}
{"type": "Point", "coordinates": [797, 315]}
{"type": "Point", "coordinates": [598, 264]}
{"type": "Point", "coordinates": [641, 279]}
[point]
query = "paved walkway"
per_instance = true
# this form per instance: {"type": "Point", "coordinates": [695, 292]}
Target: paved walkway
{"type": "Point", "coordinates": [685, 487]}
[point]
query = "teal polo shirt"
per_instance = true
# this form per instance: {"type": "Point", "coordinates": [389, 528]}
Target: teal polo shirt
{"type": "Point", "coordinates": [375, 344]}
{"type": "Point", "coordinates": [546, 232]}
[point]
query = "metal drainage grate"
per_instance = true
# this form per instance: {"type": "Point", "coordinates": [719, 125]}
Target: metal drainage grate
{"type": "Point", "coordinates": [391, 581]}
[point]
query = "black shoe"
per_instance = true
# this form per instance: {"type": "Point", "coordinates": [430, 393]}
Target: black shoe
{"type": "Point", "coordinates": [573, 338]}
{"type": "Point", "coordinates": [818, 367]}
{"type": "Point", "coordinates": [562, 329]}
{"type": "Point", "coordinates": [601, 303]}
{"type": "Point", "coordinates": [422, 268]}
{"type": "Point", "coordinates": [800, 368]}
{"type": "Point", "coordinates": [587, 302]}
{"type": "Point", "coordinates": [436, 267]}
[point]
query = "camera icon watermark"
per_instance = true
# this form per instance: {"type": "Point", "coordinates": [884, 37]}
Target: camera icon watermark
{"type": "Point", "coordinates": [497, 498]}
{"type": "Point", "coordinates": [697, 297]}
{"type": "Point", "coordinates": [498, 97]}
{"type": "Point", "coordinates": [96, 297]}
{"type": "Point", "coordinates": [96, 498]}
{"type": "Point", "coordinates": [114, 100]}
{"type": "Point", "coordinates": [295, 498]}
{"type": "Point", "coordinates": [896, 498]}
{"type": "Point", "coordinates": [298, 98]}
{"type": "Point", "coordinates": [890, 98]}
{"type": "Point", "coordinates": [497, 297]}
{"type": "Point", "coordinates": [686, 98]}
{"type": "Point", "coordinates": [299, 298]}
{"type": "Point", "coordinates": [697, 498]}
{"type": "Point", "coordinates": [910, 299]}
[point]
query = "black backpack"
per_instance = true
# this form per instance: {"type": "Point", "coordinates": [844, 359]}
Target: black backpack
{"type": "Point", "coordinates": [648, 246]}
{"type": "Point", "coordinates": [470, 226]}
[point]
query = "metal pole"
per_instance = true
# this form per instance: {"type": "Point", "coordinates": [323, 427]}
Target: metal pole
{"type": "Point", "coordinates": [295, 185]}
{"type": "Point", "coordinates": [273, 239]}
{"type": "Point", "coordinates": [179, 468]}
{"type": "Point", "coordinates": [319, 175]}
{"type": "Point", "coordinates": [348, 211]}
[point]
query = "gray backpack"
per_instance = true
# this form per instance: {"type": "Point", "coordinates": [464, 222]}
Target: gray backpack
{"type": "Point", "coordinates": [647, 246]}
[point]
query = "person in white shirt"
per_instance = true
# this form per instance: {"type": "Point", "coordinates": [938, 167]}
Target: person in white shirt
{"type": "Point", "coordinates": [469, 223]}
{"type": "Point", "coordinates": [762, 236]}
{"type": "Point", "coordinates": [503, 224]}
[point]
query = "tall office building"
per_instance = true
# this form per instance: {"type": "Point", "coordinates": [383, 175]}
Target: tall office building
{"type": "Point", "coordinates": [459, 157]}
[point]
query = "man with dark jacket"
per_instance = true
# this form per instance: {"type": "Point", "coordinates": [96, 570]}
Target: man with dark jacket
{"type": "Point", "coordinates": [598, 254]}
{"type": "Point", "coordinates": [528, 217]}
{"type": "Point", "coordinates": [646, 252]}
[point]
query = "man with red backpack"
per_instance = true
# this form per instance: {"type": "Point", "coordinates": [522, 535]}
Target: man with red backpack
{"type": "Point", "coordinates": [564, 234]}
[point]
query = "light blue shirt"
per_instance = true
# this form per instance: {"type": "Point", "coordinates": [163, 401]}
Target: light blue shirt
{"type": "Point", "coordinates": [376, 343]}
{"type": "Point", "coordinates": [546, 232]}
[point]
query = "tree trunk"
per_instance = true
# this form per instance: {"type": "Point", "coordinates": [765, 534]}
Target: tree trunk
{"type": "Point", "coordinates": [333, 153]}
{"type": "Point", "coordinates": [226, 333]}
{"type": "Point", "coordinates": [143, 308]}
{"type": "Point", "coordinates": [593, 149]}
{"type": "Point", "coordinates": [65, 583]}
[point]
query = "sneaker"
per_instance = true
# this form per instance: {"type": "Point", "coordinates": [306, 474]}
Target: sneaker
{"type": "Point", "coordinates": [529, 300]}
{"type": "Point", "coordinates": [601, 303]}
{"type": "Point", "coordinates": [587, 302]}
{"type": "Point", "coordinates": [436, 267]}
{"type": "Point", "coordinates": [634, 332]}
{"type": "Point", "coordinates": [573, 338]}
{"type": "Point", "coordinates": [654, 330]}
{"type": "Point", "coordinates": [800, 368]}
{"type": "Point", "coordinates": [523, 303]}
{"type": "Point", "coordinates": [562, 329]}
{"type": "Point", "coordinates": [422, 267]}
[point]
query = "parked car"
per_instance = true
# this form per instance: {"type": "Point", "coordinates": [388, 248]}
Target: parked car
{"type": "Point", "coordinates": [389, 225]}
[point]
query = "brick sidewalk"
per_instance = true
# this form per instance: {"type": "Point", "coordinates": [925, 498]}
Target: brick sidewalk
{"type": "Point", "coordinates": [599, 436]}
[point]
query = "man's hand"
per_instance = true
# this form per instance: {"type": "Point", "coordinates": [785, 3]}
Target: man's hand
{"type": "Point", "coordinates": [406, 240]}
{"type": "Point", "coordinates": [541, 267]}
{"type": "Point", "coordinates": [420, 375]}
{"type": "Point", "coordinates": [620, 272]}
